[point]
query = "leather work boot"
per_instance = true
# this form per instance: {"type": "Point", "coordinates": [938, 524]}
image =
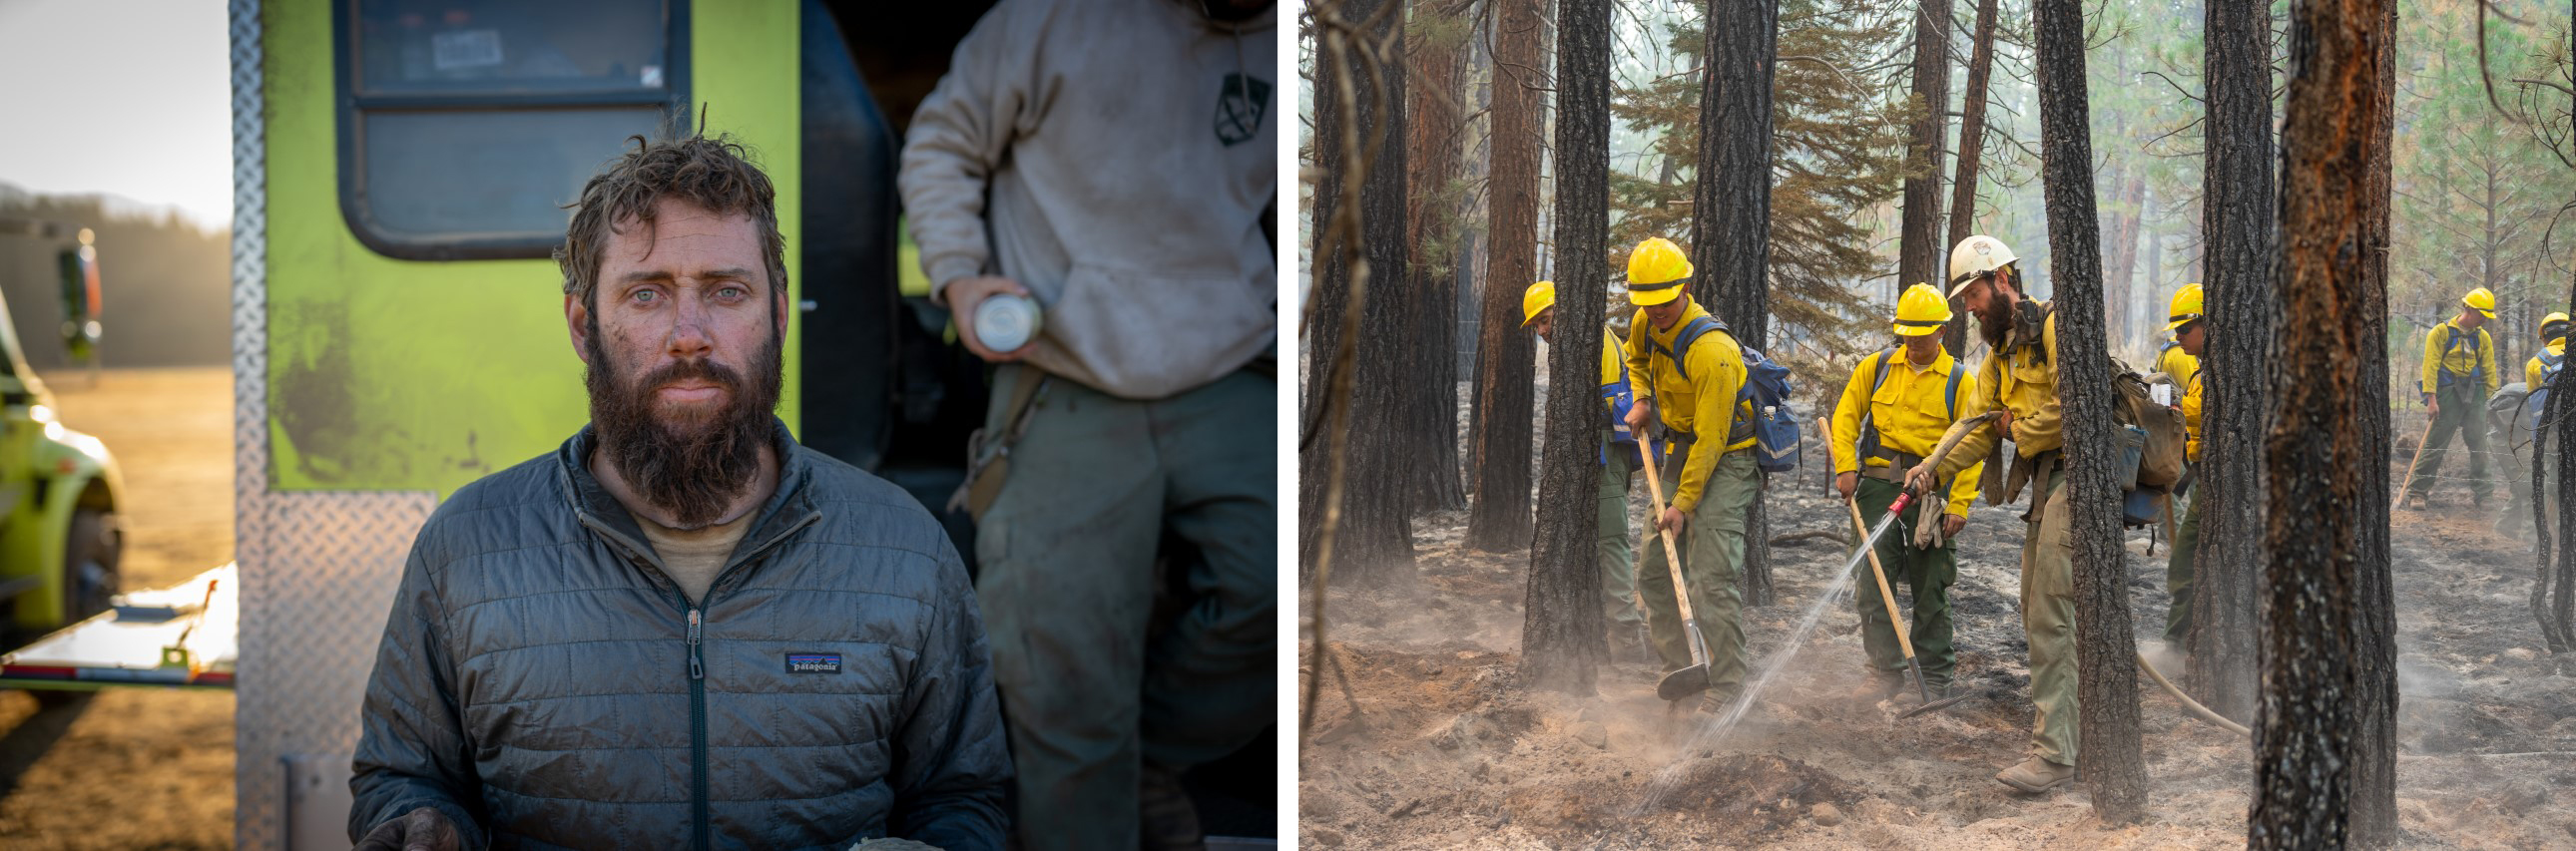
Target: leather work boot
{"type": "Point", "coordinates": [1881, 686]}
{"type": "Point", "coordinates": [2036, 775]}
{"type": "Point", "coordinates": [1170, 820]}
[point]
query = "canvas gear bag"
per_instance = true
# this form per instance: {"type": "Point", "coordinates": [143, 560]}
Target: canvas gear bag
{"type": "Point", "coordinates": [988, 456]}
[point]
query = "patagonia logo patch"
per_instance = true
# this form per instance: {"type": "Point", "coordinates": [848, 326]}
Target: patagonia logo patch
{"type": "Point", "coordinates": [813, 663]}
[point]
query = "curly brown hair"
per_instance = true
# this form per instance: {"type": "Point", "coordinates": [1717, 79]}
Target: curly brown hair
{"type": "Point", "coordinates": [716, 174]}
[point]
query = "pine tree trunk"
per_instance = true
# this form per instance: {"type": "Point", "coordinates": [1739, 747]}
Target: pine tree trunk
{"type": "Point", "coordinates": [2120, 257]}
{"type": "Point", "coordinates": [2373, 763]}
{"type": "Point", "coordinates": [2313, 726]}
{"type": "Point", "coordinates": [1561, 627]}
{"type": "Point", "coordinates": [1963, 190]}
{"type": "Point", "coordinates": [2106, 661]}
{"type": "Point", "coordinates": [2554, 594]}
{"type": "Point", "coordinates": [1919, 252]}
{"type": "Point", "coordinates": [1434, 224]}
{"type": "Point", "coordinates": [2236, 198]}
{"type": "Point", "coordinates": [1372, 544]}
{"type": "Point", "coordinates": [2553, 590]}
{"type": "Point", "coordinates": [1498, 518]}
{"type": "Point", "coordinates": [1731, 213]}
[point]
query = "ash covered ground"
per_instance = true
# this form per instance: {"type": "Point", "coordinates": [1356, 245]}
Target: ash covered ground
{"type": "Point", "coordinates": [1438, 747]}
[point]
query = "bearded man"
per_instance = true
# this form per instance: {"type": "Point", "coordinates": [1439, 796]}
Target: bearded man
{"type": "Point", "coordinates": [681, 629]}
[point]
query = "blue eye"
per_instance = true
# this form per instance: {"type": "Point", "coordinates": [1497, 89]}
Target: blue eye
{"type": "Point", "coordinates": [645, 296]}
{"type": "Point", "coordinates": [731, 292]}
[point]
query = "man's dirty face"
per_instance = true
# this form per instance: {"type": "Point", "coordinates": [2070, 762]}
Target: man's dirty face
{"type": "Point", "coordinates": [1544, 324]}
{"type": "Point", "coordinates": [683, 352]}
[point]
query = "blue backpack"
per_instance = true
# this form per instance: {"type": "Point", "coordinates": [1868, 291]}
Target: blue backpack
{"type": "Point", "coordinates": [2477, 369]}
{"type": "Point", "coordinates": [1621, 398]}
{"type": "Point", "coordinates": [2549, 366]}
{"type": "Point", "coordinates": [1774, 428]}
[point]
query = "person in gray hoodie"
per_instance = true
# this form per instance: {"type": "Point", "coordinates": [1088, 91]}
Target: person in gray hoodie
{"type": "Point", "coordinates": [681, 629]}
{"type": "Point", "coordinates": [1117, 161]}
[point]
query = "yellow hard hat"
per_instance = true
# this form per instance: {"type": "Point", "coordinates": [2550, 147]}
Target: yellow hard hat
{"type": "Point", "coordinates": [2185, 308]}
{"type": "Point", "coordinates": [1921, 310]}
{"type": "Point", "coordinates": [1657, 272]}
{"type": "Point", "coordinates": [1974, 257]}
{"type": "Point", "coordinates": [2481, 301]}
{"type": "Point", "coordinates": [2553, 319]}
{"type": "Point", "coordinates": [1540, 297]}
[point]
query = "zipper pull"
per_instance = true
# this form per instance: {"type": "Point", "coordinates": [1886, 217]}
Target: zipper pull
{"type": "Point", "coordinates": [697, 669]}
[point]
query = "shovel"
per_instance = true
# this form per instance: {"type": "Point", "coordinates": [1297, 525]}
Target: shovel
{"type": "Point", "coordinates": [1694, 679]}
{"type": "Point", "coordinates": [1886, 597]}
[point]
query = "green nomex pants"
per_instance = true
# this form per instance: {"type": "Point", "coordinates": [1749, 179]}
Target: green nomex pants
{"type": "Point", "coordinates": [1610, 546]}
{"type": "Point", "coordinates": [1712, 545]}
{"type": "Point", "coordinates": [1093, 685]}
{"type": "Point", "coordinates": [2464, 412]}
{"type": "Point", "coordinates": [2178, 571]}
{"type": "Point", "coordinates": [2048, 624]}
{"type": "Point", "coordinates": [1925, 574]}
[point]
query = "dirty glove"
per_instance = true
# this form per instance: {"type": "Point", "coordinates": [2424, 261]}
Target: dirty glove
{"type": "Point", "coordinates": [422, 829]}
{"type": "Point", "coordinates": [1930, 508]}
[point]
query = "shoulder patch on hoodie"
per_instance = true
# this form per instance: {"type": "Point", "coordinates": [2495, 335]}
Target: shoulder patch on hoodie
{"type": "Point", "coordinates": [1241, 104]}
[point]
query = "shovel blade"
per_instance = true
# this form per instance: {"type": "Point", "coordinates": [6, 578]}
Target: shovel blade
{"type": "Point", "coordinates": [1943, 703]}
{"type": "Point", "coordinates": [1683, 683]}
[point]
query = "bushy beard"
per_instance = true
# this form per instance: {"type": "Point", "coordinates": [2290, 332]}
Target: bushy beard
{"type": "Point", "coordinates": [1995, 322]}
{"type": "Point", "coordinates": [696, 466]}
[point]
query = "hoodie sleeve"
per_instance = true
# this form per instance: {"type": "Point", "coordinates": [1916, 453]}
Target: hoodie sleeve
{"type": "Point", "coordinates": [993, 94]}
{"type": "Point", "coordinates": [412, 749]}
{"type": "Point", "coordinates": [951, 763]}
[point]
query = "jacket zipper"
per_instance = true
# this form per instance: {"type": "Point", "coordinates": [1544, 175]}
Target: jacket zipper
{"type": "Point", "coordinates": [698, 820]}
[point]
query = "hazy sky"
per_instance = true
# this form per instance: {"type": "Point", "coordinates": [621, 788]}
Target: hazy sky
{"type": "Point", "coordinates": [131, 98]}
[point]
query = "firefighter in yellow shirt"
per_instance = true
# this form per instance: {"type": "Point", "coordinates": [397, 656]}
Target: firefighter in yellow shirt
{"type": "Point", "coordinates": [2459, 375]}
{"type": "Point", "coordinates": [2172, 359]}
{"type": "Point", "coordinates": [1896, 406]}
{"type": "Point", "coordinates": [2019, 379]}
{"type": "Point", "coordinates": [1690, 380]}
{"type": "Point", "coordinates": [2188, 328]}
{"type": "Point", "coordinates": [1618, 465]}
{"type": "Point", "coordinates": [2536, 375]}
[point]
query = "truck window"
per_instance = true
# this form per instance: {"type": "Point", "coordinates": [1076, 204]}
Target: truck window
{"type": "Point", "coordinates": [466, 125]}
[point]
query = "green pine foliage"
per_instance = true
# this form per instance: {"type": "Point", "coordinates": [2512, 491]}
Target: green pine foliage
{"type": "Point", "coordinates": [1839, 148]}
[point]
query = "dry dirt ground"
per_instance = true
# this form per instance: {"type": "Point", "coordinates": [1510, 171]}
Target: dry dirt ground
{"type": "Point", "coordinates": [131, 767]}
{"type": "Point", "coordinates": [1445, 751]}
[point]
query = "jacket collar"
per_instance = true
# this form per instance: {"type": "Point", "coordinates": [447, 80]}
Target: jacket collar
{"type": "Point", "coordinates": [788, 509]}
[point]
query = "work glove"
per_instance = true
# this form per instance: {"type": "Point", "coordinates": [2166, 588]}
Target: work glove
{"type": "Point", "coordinates": [1930, 509]}
{"type": "Point", "coordinates": [422, 829]}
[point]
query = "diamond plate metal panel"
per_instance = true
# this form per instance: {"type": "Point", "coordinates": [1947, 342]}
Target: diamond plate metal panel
{"type": "Point", "coordinates": [318, 570]}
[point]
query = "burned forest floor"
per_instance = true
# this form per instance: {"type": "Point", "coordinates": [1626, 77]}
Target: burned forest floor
{"type": "Point", "coordinates": [1434, 744]}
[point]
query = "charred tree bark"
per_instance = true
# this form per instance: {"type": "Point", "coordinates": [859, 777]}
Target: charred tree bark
{"type": "Point", "coordinates": [2373, 762]}
{"type": "Point", "coordinates": [1963, 190]}
{"type": "Point", "coordinates": [2106, 656]}
{"type": "Point", "coordinates": [1372, 545]}
{"type": "Point", "coordinates": [1918, 248]}
{"type": "Point", "coordinates": [1561, 628]}
{"type": "Point", "coordinates": [2320, 499]}
{"type": "Point", "coordinates": [1432, 219]}
{"type": "Point", "coordinates": [2236, 198]}
{"type": "Point", "coordinates": [1498, 517]}
{"type": "Point", "coordinates": [2553, 590]}
{"type": "Point", "coordinates": [1731, 215]}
